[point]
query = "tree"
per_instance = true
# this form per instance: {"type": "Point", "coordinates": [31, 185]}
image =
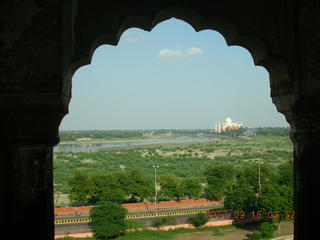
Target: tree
{"type": "Point", "coordinates": [170, 187]}
{"type": "Point", "coordinates": [79, 188]}
{"type": "Point", "coordinates": [286, 174]}
{"type": "Point", "coordinates": [274, 201]}
{"type": "Point", "coordinates": [198, 220]}
{"type": "Point", "coordinates": [242, 198]}
{"type": "Point", "coordinates": [106, 187]}
{"type": "Point", "coordinates": [191, 187]}
{"type": "Point", "coordinates": [136, 185]}
{"type": "Point", "coordinates": [220, 178]}
{"type": "Point", "coordinates": [248, 176]}
{"type": "Point", "coordinates": [108, 219]}
{"type": "Point", "coordinates": [276, 131]}
{"type": "Point", "coordinates": [215, 188]}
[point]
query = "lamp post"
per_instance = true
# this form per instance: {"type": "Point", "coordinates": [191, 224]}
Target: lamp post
{"type": "Point", "coordinates": [259, 162]}
{"type": "Point", "coordinates": [155, 188]}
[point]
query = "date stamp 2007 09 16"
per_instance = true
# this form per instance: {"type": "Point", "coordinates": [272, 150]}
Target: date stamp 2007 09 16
{"type": "Point", "coordinates": [255, 215]}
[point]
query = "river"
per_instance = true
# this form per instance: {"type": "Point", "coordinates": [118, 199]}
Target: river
{"type": "Point", "coordinates": [93, 147]}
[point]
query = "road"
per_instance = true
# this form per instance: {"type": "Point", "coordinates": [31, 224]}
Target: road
{"type": "Point", "coordinates": [140, 215]}
{"type": "Point", "coordinates": [81, 224]}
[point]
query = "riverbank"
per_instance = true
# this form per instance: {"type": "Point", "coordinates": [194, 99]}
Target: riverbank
{"type": "Point", "coordinates": [96, 145]}
{"type": "Point", "coordinates": [101, 141]}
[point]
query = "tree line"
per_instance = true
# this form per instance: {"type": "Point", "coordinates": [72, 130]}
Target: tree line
{"type": "Point", "coordinates": [72, 135]}
{"type": "Point", "coordinates": [129, 186]}
{"type": "Point", "coordinates": [273, 131]}
{"type": "Point", "coordinates": [222, 180]}
{"type": "Point", "coordinates": [100, 134]}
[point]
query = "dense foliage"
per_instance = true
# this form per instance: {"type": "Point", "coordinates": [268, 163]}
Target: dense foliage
{"type": "Point", "coordinates": [275, 131]}
{"type": "Point", "coordinates": [114, 187]}
{"type": "Point", "coordinates": [277, 200]}
{"type": "Point", "coordinates": [108, 219]}
{"type": "Point", "coordinates": [198, 219]}
{"type": "Point", "coordinates": [220, 179]}
{"type": "Point", "coordinates": [241, 198]}
{"type": "Point", "coordinates": [266, 231]}
{"type": "Point", "coordinates": [129, 186]}
{"type": "Point", "coordinates": [174, 188]}
{"type": "Point", "coordinates": [273, 202]}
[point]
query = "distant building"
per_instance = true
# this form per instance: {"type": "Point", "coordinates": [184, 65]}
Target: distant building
{"type": "Point", "coordinates": [147, 134]}
{"type": "Point", "coordinates": [168, 134]}
{"type": "Point", "coordinates": [227, 125]}
{"type": "Point", "coordinates": [83, 139]}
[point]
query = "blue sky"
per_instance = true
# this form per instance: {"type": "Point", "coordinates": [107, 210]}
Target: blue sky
{"type": "Point", "coordinates": [171, 77]}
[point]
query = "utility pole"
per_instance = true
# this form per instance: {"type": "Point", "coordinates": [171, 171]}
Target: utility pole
{"type": "Point", "coordinates": [155, 188]}
{"type": "Point", "coordinates": [259, 173]}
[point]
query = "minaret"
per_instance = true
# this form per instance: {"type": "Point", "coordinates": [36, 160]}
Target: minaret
{"type": "Point", "coordinates": [219, 128]}
{"type": "Point", "coordinates": [215, 127]}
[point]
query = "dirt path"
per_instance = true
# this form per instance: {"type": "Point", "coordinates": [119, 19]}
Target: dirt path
{"type": "Point", "coordinates": [208, 235]}
{"type": "Point", "coordinates": [230, 234]}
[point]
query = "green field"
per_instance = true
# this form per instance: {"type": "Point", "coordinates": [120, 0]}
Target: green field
{"type": "Point", "coordinates": [180, 159]}
{"type": "Point", "coordinates": [231, 232]}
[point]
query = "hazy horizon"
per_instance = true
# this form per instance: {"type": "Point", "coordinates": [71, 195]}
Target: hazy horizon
{"type": "Point", "coordinates": [149, 129]}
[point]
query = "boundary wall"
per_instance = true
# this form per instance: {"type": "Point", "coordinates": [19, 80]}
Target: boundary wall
{"type": "Point", "coordinates": [145, 206]}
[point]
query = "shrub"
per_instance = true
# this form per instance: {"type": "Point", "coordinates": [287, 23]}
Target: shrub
{"type": "Point", "coordinates": [133, 224]}
{"type": "Point", "coordinates": [198, 219]}
{"type": "Point", "coordinates": [266, 230]}
{"type": "Point", "coordinates": [108, 219]}
{"type": "Point", "coordinates": [169, 220]}
{"type": "Point", "coordinates": [255, 236]}
{"type": "Point", "coordinates": [157, 223]}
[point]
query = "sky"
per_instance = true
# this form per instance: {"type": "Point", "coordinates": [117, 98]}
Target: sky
{"type": "Point", "coordinates": [170, 78]}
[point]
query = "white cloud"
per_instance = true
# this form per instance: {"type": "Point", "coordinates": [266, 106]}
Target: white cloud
{"type": "Point", "coordinates": [170, 53]}
{"type": "Point", "coordinates": [132, 37]}
{"type": "Point", "coordinates": [178, 53]}
{"type": "Point", "coordinates": [194, 51]}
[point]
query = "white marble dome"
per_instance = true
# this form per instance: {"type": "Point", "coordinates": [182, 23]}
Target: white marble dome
{"type": "Point", "coordinates": [228, 120]}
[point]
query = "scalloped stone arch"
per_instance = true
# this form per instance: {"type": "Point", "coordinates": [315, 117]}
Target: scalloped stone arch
{"type": "Point", "coordinates": [276, 67]}
{"type": "Point", "coordinates": [42, 43]}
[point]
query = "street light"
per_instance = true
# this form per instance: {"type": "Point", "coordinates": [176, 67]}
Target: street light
{"type": "Point", "coordinates": [259, 162]}
{"type": "Point", "coordinates": [155, 189]}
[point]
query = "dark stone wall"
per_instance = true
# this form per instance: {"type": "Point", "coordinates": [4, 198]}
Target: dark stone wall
{"type": "Point", "coordinates": [42, 43]}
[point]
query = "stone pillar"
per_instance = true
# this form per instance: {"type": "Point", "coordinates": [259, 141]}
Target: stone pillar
{"type": "Point", "coordinates": [306, 120]}
{"type": "Point", "coordinates": [33, 100]}
{"type": "Point", "coordinates": [306, 139]}
{"type": "Point", "coordinates": [307, 184]}
{"type": "Point", "coordinates": [26, 191]}
{"type": "Point", "coordinates": [26, 167]}
{"type": "Point", "coordinates": [302, 112]}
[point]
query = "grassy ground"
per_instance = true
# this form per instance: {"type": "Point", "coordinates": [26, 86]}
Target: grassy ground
{"type": "Point", "coordinates": [239, 232]}
{"type": "Point", "coordinates": [180, 159]}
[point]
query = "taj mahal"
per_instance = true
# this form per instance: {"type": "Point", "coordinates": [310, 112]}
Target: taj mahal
{"type": "Point", "coordinates": [227, 125]}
